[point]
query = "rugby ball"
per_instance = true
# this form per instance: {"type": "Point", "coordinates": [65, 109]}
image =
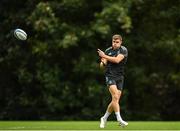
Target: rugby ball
{"type": "Point", "coordinates": [20, 34]}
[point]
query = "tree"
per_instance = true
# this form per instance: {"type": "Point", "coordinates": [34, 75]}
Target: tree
{"type": "Point", "coordinates": [55, 75]}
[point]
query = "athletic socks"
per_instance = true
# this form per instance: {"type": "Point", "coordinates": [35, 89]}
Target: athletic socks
{"type": "Point", "coordinates": [106, 115]}
{"type": "Point", "coordinates": [118, 116]}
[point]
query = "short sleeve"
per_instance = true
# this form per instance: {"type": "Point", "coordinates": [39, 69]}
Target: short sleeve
{"type": "Point", "coordinates": [123, 51]}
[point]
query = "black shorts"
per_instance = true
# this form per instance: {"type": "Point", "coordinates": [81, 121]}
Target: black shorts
{"type": "Point", "coordinates": [119, 82]}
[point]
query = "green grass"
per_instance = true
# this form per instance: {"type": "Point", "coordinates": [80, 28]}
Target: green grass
{"type": "Point", "coordinates": [85, 125]}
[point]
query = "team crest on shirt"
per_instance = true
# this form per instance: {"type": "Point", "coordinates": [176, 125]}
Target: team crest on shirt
{"type": "Point", "coordinates": [110, 82]}
{"type": "Point", "coordinates": [109, 53]}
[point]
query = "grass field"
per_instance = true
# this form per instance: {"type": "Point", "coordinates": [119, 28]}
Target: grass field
{"type": "Point", "coordinates": [85, 125]}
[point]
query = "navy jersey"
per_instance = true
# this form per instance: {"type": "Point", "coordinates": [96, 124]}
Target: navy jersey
{"type": "Point", "coordinates": [116, 70]}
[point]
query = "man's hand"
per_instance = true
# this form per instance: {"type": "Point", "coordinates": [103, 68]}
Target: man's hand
{"type": "Point", "coordinates": [101, 53]}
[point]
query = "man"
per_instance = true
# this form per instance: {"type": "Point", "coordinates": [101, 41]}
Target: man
{"type": "Point", "coordinates": [114, 60]}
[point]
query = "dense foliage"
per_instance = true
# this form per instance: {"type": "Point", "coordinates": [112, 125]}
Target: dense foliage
{"type": "Point", "coordinates": [54, 75]}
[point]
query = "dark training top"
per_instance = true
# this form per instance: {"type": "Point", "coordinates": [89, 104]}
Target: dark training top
{"type": "Point", "coordinates": [116, 70]}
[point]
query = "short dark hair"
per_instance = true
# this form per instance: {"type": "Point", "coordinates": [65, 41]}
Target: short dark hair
{"type": "Point", "coordinates": [117, 36]}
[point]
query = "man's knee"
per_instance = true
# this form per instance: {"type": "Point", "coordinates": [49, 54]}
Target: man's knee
{"type": "Point", "coordinates": [115, 97]}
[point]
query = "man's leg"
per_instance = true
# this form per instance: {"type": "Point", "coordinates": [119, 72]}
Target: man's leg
{"type": "Point", "coordinates": [106, 115]}
{"type": "Point", "coordinates": [108, 112]}
{"type": "Point", "coordinates": [113, 106]}
{"type": "Point", "coordinates": [115, 97]}
{"type": "Point", "coordinates": [116, 94]}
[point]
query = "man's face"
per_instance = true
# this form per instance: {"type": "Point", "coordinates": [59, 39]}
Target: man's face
{"type": "Point", "coordinates": [116, 43]}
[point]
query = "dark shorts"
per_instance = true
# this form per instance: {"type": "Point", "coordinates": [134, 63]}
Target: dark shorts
{"type": "Point", "coordinates": [119, 83]}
